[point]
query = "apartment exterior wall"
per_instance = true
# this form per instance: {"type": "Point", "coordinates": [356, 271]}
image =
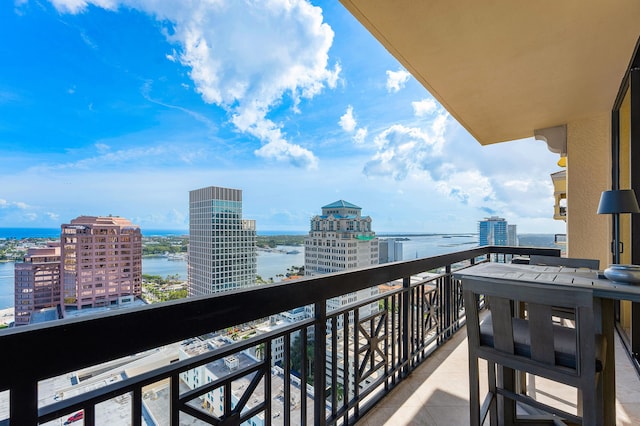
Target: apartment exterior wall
{"type": "Point", "coordinates": [222, 245]}
{"type": "Point", "coordinates": [588, 174]}
{"type": "Point", "coordinates": [101, 261]}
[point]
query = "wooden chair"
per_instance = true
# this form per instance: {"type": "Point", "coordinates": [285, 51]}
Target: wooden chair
{"type": "Point", "coordinates": [536, 345]}
{"type": "Point", "coordinates": [571, 262]}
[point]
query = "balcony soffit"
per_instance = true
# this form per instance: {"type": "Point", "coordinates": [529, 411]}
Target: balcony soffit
{"type": "Point", "coordinates": [505, 68]}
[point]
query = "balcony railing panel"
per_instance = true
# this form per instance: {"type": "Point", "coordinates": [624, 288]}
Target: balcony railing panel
{"type": "Point", "coordinates": [330, 369]}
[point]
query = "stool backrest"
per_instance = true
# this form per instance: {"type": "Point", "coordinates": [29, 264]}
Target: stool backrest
{"type": "Point", "coordinates": [535, 343]}
{"type": "Point", "coordinates": [571, 262]}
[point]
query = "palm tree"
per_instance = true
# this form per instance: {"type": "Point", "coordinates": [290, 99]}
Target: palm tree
{"type": "Point", "coordinates": [260, 351]}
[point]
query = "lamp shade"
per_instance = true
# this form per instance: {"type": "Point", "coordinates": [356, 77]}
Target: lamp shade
{"type": "Point", "coordinates": [618, 201]}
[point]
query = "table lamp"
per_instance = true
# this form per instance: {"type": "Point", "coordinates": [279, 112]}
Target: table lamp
{"type": "Point", "coordinates": [615, 202]}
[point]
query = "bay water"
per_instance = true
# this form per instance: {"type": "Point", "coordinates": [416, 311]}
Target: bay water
{"type": "Point", "coordinates": [272, 263]}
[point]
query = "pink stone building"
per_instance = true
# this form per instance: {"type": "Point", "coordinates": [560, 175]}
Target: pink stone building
{"type": "Point", "coordinates": [37, 282]}
{"type": "Point", "coordinates": [101, 261]}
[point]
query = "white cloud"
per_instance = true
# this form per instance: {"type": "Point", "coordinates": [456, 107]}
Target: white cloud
{"type": "Point", "coordinates": [247, 57]}
{"type": "Point", "coordinates": [396, 80]}
{"type": "Point", "coordinates": [424, 107]}
{"type": "Point", "coordinates": [172, 56]}
{"type": "Point", "coordinates": [469, 187]}
{"type": "Point", "coordinates": [146, 89]}
{"type": "Point", "coordinates": [360, 136]}
{"type": "Point", "coordinates": [404, 150]}
{"type": "Point", "coordinates": [169, 154]}
{"type": "Point", "coordinates": [407, 153]}
{"type": "Point", "coordinates": [88, 41]}
{"type": "Point", "coordinates": [520, 185]}
{"type": "Point", "coordinates": [76, 6]}
{"type": "Point", "coordinates": [350, 125]}
{"type": "Point", "coordinates": [281, 150]}
{"type": "Point", "coordinates": [4, 204]}
{"type": "Point", "coordinates": [348, 121]}
{"type": "Point", "coordinates": [401, 150]}
{"type": "Point", "coordinates": [102, 148]}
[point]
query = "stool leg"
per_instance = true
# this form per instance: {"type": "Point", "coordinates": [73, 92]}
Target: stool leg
{"type": "Point", "coordinates": [493, 407]}
{"type": "Point", "coordinates": [474, 390]}
{"type": "Point", "coordinates": [506, 406]}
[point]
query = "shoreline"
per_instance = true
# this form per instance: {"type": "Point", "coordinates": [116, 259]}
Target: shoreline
{"type": "Point", "coordinates": [7, 316]}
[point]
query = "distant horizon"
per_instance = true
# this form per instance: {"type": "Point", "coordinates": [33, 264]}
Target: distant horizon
{"type": "Point", "coordinates": [150, 231]}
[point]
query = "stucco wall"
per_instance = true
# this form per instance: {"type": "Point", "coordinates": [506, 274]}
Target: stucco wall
{"type": "Point", "coordinates": [588, 174]}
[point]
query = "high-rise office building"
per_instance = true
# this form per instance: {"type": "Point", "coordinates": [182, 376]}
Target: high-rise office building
{"type": "Point", "coordinates": [512, 236]}
{"type": "Point", "coordinates": [390, 250]}
{"type": "Point", "coordinates": [493, 231]}
{"type": "Point", "coordinates": [340, 239]}
{"type": "Point", "coordinates": [222, 245]}
{"type": "Point", "coordinates": [101, 261]}
{"type": "Point", "coordinates": [37, 282]}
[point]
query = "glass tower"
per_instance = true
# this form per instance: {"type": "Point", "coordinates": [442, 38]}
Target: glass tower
{"type": "Point", "coordinates": [222, 245]}
{"type": "Point", "coordinates": [493, 231]}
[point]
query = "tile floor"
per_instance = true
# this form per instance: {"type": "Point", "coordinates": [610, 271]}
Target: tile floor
{"type": "Point", "coordinates": [437, 393]}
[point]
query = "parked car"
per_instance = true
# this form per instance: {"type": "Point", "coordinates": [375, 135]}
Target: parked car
{"type": "Point", "coordinates": [77, 416]}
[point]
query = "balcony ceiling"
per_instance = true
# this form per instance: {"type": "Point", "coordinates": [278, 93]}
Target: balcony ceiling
{"type": "Point", "coordinates": [504, 68]}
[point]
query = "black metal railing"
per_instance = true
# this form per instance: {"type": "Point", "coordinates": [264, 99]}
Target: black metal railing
{"type": "Point", "coordinates": [198, 358]}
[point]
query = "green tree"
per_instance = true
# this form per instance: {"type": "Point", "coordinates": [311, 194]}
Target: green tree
{"type": "Point", "coordinates": [296, 357]}
{"type": "Point", "coordinates": [260, 351]}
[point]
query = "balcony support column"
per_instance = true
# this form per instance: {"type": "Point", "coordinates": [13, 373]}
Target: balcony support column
{"type": "Point", "coordinates": [588, 174]}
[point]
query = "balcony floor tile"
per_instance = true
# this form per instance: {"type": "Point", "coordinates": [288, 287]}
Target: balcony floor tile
{"type": "Point", "coordinates": [437, 392]}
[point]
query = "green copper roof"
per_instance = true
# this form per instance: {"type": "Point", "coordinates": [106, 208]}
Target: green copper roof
{"type": "Point", "coordinates": [341, 204]}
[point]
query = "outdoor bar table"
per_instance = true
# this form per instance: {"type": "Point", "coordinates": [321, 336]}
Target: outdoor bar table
{"type": "Point", "coordinates": [605, 292]}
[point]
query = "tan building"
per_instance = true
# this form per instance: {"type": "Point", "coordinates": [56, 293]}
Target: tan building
{"type": "Point", "coordinates": [101, 261]}
{"type": "Point", "coordinates": [341, 239]}
{"type": "Point", "coordinates": [560, 195]}
{"type": "Point", "coordinates": [37, 282]}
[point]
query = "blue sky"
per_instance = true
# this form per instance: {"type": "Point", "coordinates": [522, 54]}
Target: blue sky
{"type": "Point", "coordinates": [123, 106]}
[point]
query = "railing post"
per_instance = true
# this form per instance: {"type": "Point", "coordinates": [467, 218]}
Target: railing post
{"type": "Point", "coordinates": [406, 330]}
{"type": "Point", "coordinates": [448, 301]}
{"type": "Point", "coordinates": [174, 406]}
{"type": "Point", "coordinates": [23, 403]}
{"type": "Point", "coordinates": [320, 355]}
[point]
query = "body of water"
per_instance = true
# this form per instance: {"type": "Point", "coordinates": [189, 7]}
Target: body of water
{"type": "Point", "coordinates": [432, 245]}
{"type": "Point", "coordinates": [20, 233]}
{"type": "Point", "coordinates": [6, 285]}
{"type": "Point", "coordinates": [271, 264]}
